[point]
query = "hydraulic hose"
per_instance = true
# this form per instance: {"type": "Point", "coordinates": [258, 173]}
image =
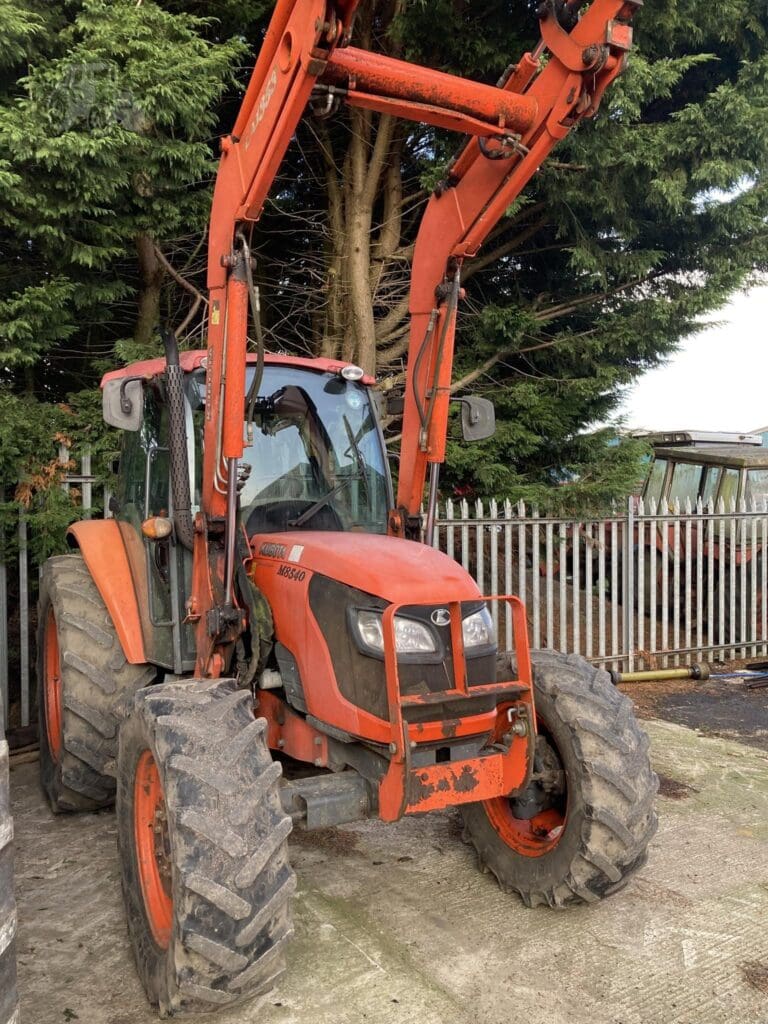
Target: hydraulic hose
{"type": "Point", "coordinates": [177, 443]}
{"type": "Point", "coordinates": [253, 392]}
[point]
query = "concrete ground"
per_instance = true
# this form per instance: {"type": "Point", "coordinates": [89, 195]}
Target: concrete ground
{"type": "Point", "coordinates": [394, 923]}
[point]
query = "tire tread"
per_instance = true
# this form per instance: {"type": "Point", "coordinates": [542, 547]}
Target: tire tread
{"type": "Point", "coordinates": [98, 686]}
{"type": "Point", "coordinates": [232, 879]}
{"type": "Point", "coordinates": [618, 785]}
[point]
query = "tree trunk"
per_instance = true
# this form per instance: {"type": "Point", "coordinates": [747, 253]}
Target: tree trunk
{"type": "Point", "coordinates": [151, 276]}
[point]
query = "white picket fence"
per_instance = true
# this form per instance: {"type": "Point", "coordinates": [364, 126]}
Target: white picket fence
{"type": "Point", "coordinates": [640, 588]}
{"type": "Point", "coordinates": [17, 577]}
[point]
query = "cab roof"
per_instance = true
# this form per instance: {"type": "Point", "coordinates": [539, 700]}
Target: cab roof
{"type": "Point", "coordinates": [194, 360]}
{"type": "Point", "coordinates": [718, 455]}
{"type": "Point", "coordinates": [696, 438]}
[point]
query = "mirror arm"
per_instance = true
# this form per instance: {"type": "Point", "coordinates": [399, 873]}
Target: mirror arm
{"type": "Point", "coordinates": [126, 405]}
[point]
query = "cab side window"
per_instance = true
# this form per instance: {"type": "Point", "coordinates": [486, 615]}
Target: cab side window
{"type": "Point", "coordinates": [139, 448]}
{"type": "Point", "coordinates": [757, 486]}
{"type": "Point", "coordinates": [655, 481]}
{"type": "Point", "coordinates": [686, 477]}
{"type": "Point", "coordinates": [729, 488]}
{"type": "Point", "coordinates": [709, 487]}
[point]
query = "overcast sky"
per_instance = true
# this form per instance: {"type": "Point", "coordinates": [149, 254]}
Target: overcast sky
{"type": "Point", "coordinates": [717, 381]}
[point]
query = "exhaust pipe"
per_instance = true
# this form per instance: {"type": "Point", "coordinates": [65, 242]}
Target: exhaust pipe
{"type": "Point", "coordinates": [177, 443]}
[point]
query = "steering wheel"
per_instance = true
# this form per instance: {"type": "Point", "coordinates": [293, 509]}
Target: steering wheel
{"type": "Point", "coordinates": [276, 516]}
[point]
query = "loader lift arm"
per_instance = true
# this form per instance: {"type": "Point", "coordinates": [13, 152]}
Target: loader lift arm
{"type": "Point", "coordinates": [512, 130]}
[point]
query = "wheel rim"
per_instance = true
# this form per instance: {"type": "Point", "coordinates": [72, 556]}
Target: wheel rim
{"type": "Point", "coordinates": [153, 849]}
{"type": "Point", "coordinates": [536, 836]}
{"type": "Point", "coordinates": [52, 688]}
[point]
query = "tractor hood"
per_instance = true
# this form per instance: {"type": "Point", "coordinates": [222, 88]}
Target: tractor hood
{"type": "Point", "coordinates": [396, 570]}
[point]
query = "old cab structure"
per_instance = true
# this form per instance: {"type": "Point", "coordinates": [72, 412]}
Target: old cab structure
{"type": "Point", "coordinates": [715, 476]}
{"type": "Point", "coordinates": [692, 467]}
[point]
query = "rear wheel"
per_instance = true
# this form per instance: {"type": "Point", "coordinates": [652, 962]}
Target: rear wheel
{"type": "Point", "coordinates": [85, 685]}
{"type": "Point", "coordinates": [202, 838]}
{"type": "Point", "coordinates": [582, 826]}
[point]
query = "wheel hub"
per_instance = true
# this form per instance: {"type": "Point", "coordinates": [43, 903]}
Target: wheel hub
{"type": "Point", "coordinates": [533, 821]}
{"type": "Point", "coordinates": [153, 849]}
{"type": "Point", "coordinates": [52, 689]}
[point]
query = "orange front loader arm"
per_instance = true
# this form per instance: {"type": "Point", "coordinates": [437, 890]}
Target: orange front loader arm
{"type": "Point", "coordinates": [512, 129]}
{"type": "Point", "coordinates": [476, 195]}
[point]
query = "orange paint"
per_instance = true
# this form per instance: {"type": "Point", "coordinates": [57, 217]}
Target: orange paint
{"type": "Point", "coordinates": [102, 548]}
{"type": "Point", "coordinates": [148, 812]}
{"type": "Point", "coordinates": [289, 733]}
{"type": "Point", "coordinates": [52, 687]}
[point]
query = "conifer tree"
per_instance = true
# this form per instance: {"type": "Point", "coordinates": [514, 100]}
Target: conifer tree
{"type": "Point", "coordinates": [642, 224]}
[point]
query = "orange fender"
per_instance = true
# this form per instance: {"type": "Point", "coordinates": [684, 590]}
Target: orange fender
{"type": "Point", "coordinates": [101, 545]}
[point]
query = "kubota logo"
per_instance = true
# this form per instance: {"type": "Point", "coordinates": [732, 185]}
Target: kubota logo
{"type": "Point", "coordinates": [441, 616]}
{"type": "Point", "coordinates": [262, 106]}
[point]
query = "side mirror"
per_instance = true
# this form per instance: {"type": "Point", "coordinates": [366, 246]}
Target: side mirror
{"type": "Point", "coordinates": [122, 403]}
{"type": "Point", "coordinates": [478, 418]}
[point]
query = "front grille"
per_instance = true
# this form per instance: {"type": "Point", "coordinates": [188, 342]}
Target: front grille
{"type": "Point", "coordinates": [361, 678]}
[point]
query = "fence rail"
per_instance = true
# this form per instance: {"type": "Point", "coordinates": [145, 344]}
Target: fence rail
{"type": "Point", "coordinates": [18, 582]}
{"type": "Point", "coordinates": [640, 588]}
{"type": "Point", "coordinates": [637, 588]}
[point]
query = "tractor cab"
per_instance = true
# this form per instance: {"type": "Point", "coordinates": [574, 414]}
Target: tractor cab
{"type": "Point", "coordinates": [314, 461]}
{"type": "Point", "coordinates": [314, 456]}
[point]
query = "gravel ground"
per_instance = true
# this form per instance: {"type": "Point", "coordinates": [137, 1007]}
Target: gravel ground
{"type": "Point", "coordinates": [395, 924]}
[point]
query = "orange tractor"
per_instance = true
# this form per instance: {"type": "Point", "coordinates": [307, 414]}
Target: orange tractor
{"type": "Point", "coordinates": [260, 594]}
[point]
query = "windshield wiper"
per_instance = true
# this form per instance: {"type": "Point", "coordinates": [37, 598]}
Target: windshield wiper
{"type": "Point", "coordinates": [308, 513]}
{"type": "Point", "coordinates": [359, 458]}
{"type": "Point", "coordinates": [361, 475]}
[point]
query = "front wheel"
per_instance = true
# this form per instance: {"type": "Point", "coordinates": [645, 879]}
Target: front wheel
{"type": "Point", "coordinates": [582, 826]}
{"type": "Point", "coordinates": [203, 852]}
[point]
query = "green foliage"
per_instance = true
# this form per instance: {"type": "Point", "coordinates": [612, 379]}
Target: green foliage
{"type": "Point", "coordinates": [108, 138]}
{"type": "Point", "coordinates": [105, 137]}
{"type": "Point", "coordinates": [638, 229]}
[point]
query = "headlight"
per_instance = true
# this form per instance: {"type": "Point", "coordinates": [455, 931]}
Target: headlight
{"type": "Point", "coordinates": [477, 629]}
{"type": "Point", "coordinates": [410, 637]}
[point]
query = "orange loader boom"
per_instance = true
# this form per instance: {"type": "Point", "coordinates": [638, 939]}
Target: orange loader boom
{"type": "Point", "coordinates": [512, 130]}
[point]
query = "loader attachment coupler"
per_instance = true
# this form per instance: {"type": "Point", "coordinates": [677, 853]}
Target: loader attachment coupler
{"type": "Point", "coordinates": [499, 768]}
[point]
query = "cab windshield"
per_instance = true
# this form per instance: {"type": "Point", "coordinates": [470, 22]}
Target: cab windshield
{"type": "Point", "coordinates": [316, 461]}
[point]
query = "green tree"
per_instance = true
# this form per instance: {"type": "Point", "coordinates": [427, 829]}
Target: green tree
{"type": "Point", "coordinates": [105, 162]}
{"type": "Point", "coordinates": [644, 221]}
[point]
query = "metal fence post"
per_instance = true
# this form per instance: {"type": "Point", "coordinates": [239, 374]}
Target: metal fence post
{"type": "Point", "coordinates": [87, 485]}
{"type": "Point", "coordinates": [24, 618]}
{"type": "Point", "coordinates": [628, 585]}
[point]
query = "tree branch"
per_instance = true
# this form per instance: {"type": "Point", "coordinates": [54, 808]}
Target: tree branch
{"type": "Point", "coordinates": [390, 324]}
{"type": "Point", "coordinates": [181, 281]}
{"type": "Point", "coordinates": [378, 156]}
{"type": "Point", "coordinates": [397, 347]}
{"type": "Point", "coordinates": [481, 262]}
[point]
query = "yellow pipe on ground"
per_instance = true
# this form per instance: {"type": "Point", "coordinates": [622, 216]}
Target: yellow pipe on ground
{"type": "Point", "coordinates": [700, 671]}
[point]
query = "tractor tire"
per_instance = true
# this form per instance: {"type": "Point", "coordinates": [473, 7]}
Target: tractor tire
{"type": "Point", "coordinates": [9, 1000]}
{"type": "Point", "coordinates": [85, 686]}
{"type": "Point", "coordinates": [203, 847]}
{"type": "Point", "coordinates": [593, 831]}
